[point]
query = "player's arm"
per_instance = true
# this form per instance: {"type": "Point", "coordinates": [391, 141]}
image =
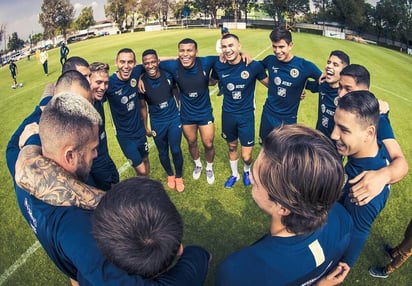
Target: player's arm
{"type": "Point", "coordinates": [143, 113]}
{"type": "Point", "coordinates": [265, 81]}
{"type": "Point", "coordinates": [368, 184]}
{"type": "Point", "coordinates": [336, 277]}
{"type": "Point", "coordinates": [47, 181]}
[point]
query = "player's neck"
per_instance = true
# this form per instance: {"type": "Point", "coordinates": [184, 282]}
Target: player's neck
{"type": "Point", "coordinates": [278, 229]}
{"type": "Point", "coordinates": [369, 150]}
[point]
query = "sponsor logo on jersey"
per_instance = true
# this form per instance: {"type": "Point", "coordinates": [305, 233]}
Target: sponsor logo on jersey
{"type": "Point", "coordinates": [230, 86]}
{"type": "Point", "coordinates": [277, 80]}
{"type": "Point", "coordinates": [124, 99]}
{"type": "Point", "coordinates": [225, 75]}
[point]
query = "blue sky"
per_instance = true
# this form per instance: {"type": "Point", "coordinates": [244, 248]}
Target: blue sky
{"type": "Point", "coordinates": [21, 15]}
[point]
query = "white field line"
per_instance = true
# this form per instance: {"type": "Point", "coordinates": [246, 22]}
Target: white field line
{"type": "Point", "coordinates": [392, 93]}
{"type": "Point", "coordinates": [23, 258]}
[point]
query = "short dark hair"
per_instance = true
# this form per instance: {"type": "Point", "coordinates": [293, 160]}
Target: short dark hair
{"type": "Point", "coordinates": [73, 62]}
{"type": "Point", "coordinates": [359, 73]}
{"type": "Point", "coordinates": [302, 171]}
{"type": "Point", "coordinates": [137, 227]}
{"type": "Point", "coordinates": [341, 55]}
{"type": "Point", "coordinates": [187, 41]}
{"type": "Point", "coordinates": [363, 104]}
{"type": "Point", "coordinates": [149, 52]}
{"type": "Point", "coordinates": [126, 51]}
{"type": "Point", "coordinates": [230, 36]}
{"type": "Point", "coordinates": [67, 79]}
{"type": "Point", "coordinates": [280, 33]}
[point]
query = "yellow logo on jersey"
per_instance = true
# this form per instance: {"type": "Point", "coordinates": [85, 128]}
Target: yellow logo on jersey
{"type": "Point", "coordinates": [244, 75]}
{"type": "Point", "coordinates": [294, 73]}
{"type": "Point", "coordinates": [133, 82]}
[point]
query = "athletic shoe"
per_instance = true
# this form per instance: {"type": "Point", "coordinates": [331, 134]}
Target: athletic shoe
{"type": "Point", "coordinates": [210, 176]}
{"type": "Point", "coordinates": [231, 181]}
{"type": "Point", "coordinates": [378, 272]}
{"type": "Point", "coordinates": [196, 172]}
{"type": "Point", "coordinates": [180, 187]}
{"type": "Point", "coordinates": [388, 251]}
{"type": "Point", "coordinates": [171, 182]}
{"type": "Point", "coordinates": [246, 180]}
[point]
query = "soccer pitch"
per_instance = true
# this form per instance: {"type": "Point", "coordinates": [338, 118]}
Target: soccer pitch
{"type": "Point", "coordinates": [221, 220]}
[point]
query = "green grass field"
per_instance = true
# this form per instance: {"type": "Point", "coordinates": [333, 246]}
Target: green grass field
{"type": "Point", "coordinates": [221, 220]}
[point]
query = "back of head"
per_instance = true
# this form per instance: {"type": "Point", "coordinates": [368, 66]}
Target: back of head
{"type": "Point", "coordinates": [363, 104]}
{"type": "Point", "coordinates": [73, 63]}
{"type": "Point", "coordinates": [137, 227]}
{"type": "Point", "coordinates": [187, 41]}
{"type": "Point", "coordinates": [73, 80]}
{"type": "Point", "coordinates": [342, 56]}
{"type": "Point", "coordinates": [280, 33]}
{"type": "Point", "coordinates": [302, 171]}
{"type": "Point", "coordinates": [67, 119]}
{"type": "Point", "coordinates": [359, 73]}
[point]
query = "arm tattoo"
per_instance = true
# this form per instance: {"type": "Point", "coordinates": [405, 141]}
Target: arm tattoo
{"type": "Point", "coordinates": [47, 181]}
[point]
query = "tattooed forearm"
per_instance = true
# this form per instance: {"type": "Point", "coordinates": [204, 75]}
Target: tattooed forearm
{"type": "Point", "coordinates": [47, 181]}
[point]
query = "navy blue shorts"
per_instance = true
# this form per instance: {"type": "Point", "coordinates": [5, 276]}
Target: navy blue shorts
{"type": "Point", "coordinates": [239, 126]}
{"type": "Point", "coordinates": [269, 122]}
{"type": "Point", "coordinates": [203, 119]}
{"type": "Point", "coordinates": [135, 149]}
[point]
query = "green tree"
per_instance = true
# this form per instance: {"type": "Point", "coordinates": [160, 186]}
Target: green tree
{"type": "Point", "coordinates": [349, 13]}
{"type": "Point", "coordinates": [14, 42]}
{"type": "Point", "coordinates": [56, 16]}
{"type": "Point", "coordinates": [279, 10]}
{"type": "Point", "coordinates": [85, 19]}
{"type": "Point", "coordinates": [116, 11]}
{"type": "Point", "coordinates": [211, 7]}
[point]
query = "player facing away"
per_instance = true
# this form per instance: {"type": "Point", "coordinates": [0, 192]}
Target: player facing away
{"type": "Point", "coordinates": [356, 123]}
{"type": "Point", "coordinates": [328, 90]}
{"type": "Point", "coordinates": [13, 72]}
{"type": "Point", "coordinates": [287, 78]}
{"type": "Point", "coordinates": [166, 126]}
{"type": "Point", "coordinates": [309, 231]}
{"type": "Point", "coordinates": [237, 82]}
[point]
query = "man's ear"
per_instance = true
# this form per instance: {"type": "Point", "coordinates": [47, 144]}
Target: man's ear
{"type": "Point", "coordinates": [70, 156]}
{"type": "Point", "coordinates": [284, 211]}
{"type": "Point", "coordinates": [371, 132]}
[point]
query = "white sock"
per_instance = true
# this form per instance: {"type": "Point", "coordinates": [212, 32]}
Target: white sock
{"type": "Point", "coordinates": [233, 167]}
{"type": "Point", "coordinates": [209, 166]}
{"type": "Point", "coordinates": [246, 168]}
{"type": "Point", "coordinates": [198, 163]}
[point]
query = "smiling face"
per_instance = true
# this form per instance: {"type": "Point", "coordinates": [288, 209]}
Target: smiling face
{"type": "Point", "coordinates": [348, 84]}
{"type": "Point", "coordinates": [125, 62]}
{"type": "Point", "coordinates": [151, 65]}
{"type": "Point", "coordinates": [282, 50]}
{"type": "Point", "coordinates": [187, 55]}
{"type": "Point", "coordinates": [333, 68]}
{"type": "Point", "coordinates": [231, 50]}
{"type": "Point", "coordinates": [349, 134]}
{"type": "Point", "coordinates": [99, 82]}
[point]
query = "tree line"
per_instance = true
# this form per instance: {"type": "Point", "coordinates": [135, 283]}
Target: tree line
{"type": "Point", "coordinates": [391, 19]}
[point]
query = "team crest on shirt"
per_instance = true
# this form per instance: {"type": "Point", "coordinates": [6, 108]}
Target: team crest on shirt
{"type": "Point", "coordinates": [133, 82]}
{"type": "Point", "coordinates": [244, 75]}
{"type": "Point", "coordinates": [335, 101]}
{"type": "Point", "coordinates": [230, 86]}
{"type": "Point", "coordinates": [294, 73]}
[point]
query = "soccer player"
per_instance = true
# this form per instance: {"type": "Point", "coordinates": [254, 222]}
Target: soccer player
{"type": "Point", "coordinates": [13, 71]}
{"type": "Point", "coordinates": [368, 184]}
{"type": "Point", "coordinates": [223, 31]}
{"type": "Point", "coordinates": [238, 82]}
{"type": "Point", "coordinates": [191, 74]}
{"type": "Point", "coordinates": [287, 78]}
{"type": "Point", "coordinates": [104, 173]}
{"type": "Point", "coordinates": [69, 135]}
{"type": "Point", "coordinates": [64, 51]}
{"type": "Point", "coordinates": [356, 123]}
{"type": "Point", "coordinates": [166, 127]}
{"type": "Point", "coordinates": [124, 105]}
{"type": "Point", "coordinates": [44, 57]}
{"type": "Point", "coordinates": [328, 90]}
{"type": "Point", "coordinates": [309, 231]}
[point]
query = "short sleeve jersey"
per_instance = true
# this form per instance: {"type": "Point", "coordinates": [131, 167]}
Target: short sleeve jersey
{"type": "Point", "coordinates": [159, 97]}
{"type": "Point", "coordinates": [296, 260]}
{"type": "Point", "coordinates": [124, 104]}
{"type": "Point", "coordinates": [193, 84]}
{"type": "Point", "coordinates": [286, 83]}
{"type": "Point", "coordinates": [326, 108]}
{"type": "Point", "coordinates": [238, 84]}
